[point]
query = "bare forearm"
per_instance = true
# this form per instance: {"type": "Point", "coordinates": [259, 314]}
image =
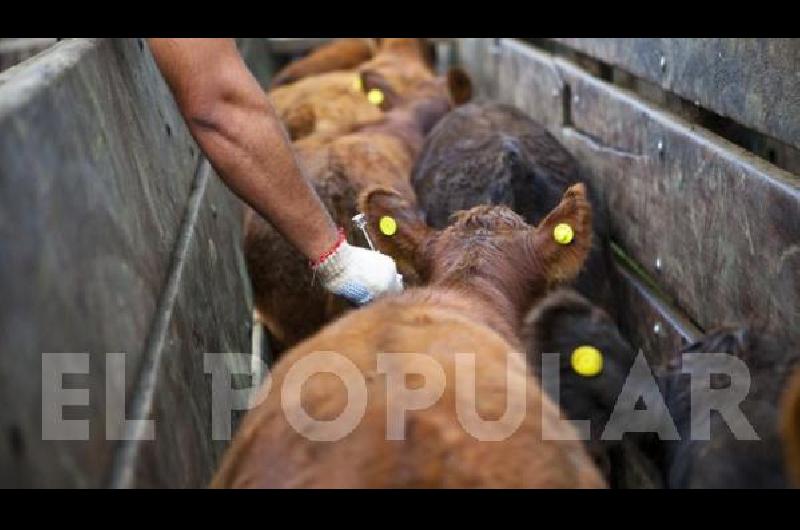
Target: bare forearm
{"type": "Point", "coordinates": [231, 118]}
{"type": "Point", "coordinates": [250, 152]}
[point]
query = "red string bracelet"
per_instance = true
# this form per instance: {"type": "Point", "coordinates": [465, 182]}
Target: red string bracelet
{"type": "Point", "coordinates": [328, 253]}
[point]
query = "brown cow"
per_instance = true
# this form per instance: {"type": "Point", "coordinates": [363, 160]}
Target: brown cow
{"type": "Point", "coordinates": [336, 102]}
{"type": "Point", "coordinates": [348, 54]}
{"type": "Point", "coordinates": [488, 152]}
{"type": "Point", "coordinates": [790, 427]}
{"type": "Point", "coordinates": [483, 271]}
{"type": "Point", "coordinates": [382, 153]}
{"type": "Point", "coordinates": [341, 54]}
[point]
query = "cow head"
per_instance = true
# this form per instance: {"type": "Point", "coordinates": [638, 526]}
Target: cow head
{"type": "Point", "coordinates": [456, 85]}
{"type": "Point", "coordinates": [563, 324]}
{"type": "Point", "coordinates": [488, 250]}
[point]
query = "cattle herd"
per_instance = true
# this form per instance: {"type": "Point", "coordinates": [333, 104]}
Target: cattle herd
{"type": "Point", "coordinates": [476, 189]}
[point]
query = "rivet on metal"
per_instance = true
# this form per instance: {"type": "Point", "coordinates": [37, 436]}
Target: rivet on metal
{"type": "Point", "coordinates": [663, 63]}
{"type": "Point", "coordinates": [658, 264]}
{"type": "Point", "coordinates": [657, 328]}
{"type": "Point", "coordinates": [576, 98]}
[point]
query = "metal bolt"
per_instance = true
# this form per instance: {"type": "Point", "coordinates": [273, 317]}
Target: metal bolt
{"type": "Point", "coordinates": [658, 264]}
{"type": "Point", "coordinates": [657, 328]}
{"type": "Point", "coordinates": [556, 92]}
{"type": "Point", "coordinates": [663, 63]}
{"type": "Point", "coordinates": [576, 98]}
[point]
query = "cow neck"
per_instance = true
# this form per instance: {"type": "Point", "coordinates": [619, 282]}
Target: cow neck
{"type": "Point", "coordinates": [500, 307]}
{"type": "Point", "coordinates": [410, 124]}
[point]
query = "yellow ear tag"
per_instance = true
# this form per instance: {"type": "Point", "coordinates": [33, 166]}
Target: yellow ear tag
{"type": "Point", "coordinates": [387, 225]}
{"type": "Point", "coordinates": [587, 361]}
{"type": "Point", "coordinates": [563, 233]}
{"type": "Point", "coordinates": [357, 85]}
{"type": "Point", "coordinates": [375, 96]}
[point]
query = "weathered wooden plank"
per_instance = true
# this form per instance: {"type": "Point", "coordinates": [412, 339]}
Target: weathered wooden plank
{"type": "Point", "coordinates": [753, 81]}
{"type": "Point", "coordinates": [211, 314]}
{"type": "Point", "coordinates": [14, 51]}
{"type": "Point", "coordinates": [651, 323]}
{"type": "Point", "coordinates": [259, 58]}
{"type": "Point", "coordinates": [479, 56]}
{"type": "Point", "coordinates": [294, 45]}
{"type": "Point", "coordinates": [95, 168]}
{"type": "Point", "coordinates": [96, 171]}
{"type": "Point", "coordinates": [723, 225]}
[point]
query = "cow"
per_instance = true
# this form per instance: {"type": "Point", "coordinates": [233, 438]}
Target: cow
{"type": "Point", "coordinates": [491, 153]}
{"type": "Point", "coordinates": [340, 54]}
{"type": "Point", "coordinates": [482, 273]}
{"type": "Point", "coordinates": [336, 102]}
{"type": "Point", "coordinates": [725, 461]}
{"type": "Point", "coordinates": [561, 324]}
{"type": "Point", "coordinates": [790, 427]}
{"type": "Point", "coordinates": [287, 301]}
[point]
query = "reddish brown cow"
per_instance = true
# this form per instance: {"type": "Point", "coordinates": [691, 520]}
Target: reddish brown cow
{"type": "Point", "coordinates": [483, 272]}
{"type": "Point", "coordinates": [381, 153]}
{"type": "Point", "coordinates": [336, 102]}
{"type": "Point", "coordinates": [341, 54]}
{"type": "Point", "coordinates": [790, 428]}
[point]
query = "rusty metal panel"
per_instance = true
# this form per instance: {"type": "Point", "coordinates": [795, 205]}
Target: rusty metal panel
{"type": "Point", "coordinates": [755, 82]}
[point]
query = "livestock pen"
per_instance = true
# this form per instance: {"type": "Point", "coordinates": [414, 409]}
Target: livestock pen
{"type": "Point", "coordinates": [118, 238]}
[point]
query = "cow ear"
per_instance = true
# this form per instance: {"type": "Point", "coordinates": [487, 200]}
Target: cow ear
{"type": "Point", "coordinates": [300, 121]}
{"type": "Point", "coordinates": [377, 89]}
{"type": "Point", "coordinates": [559, 317]}
{"type": "Point", "coordinates": [564, 320]}
{"type": "Point", "coordinates": [790, 426]}
{"type": "Point", "coordinates": [396, 227]}
{"type": "Point", "coordinates": [594, 360]}
{"type": "Point", "coordinates": [460, 86]}
{"type": "Point", "coordinates": [562, 241]}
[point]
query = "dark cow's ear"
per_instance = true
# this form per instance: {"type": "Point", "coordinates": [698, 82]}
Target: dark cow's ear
{"type": "Point", "coordinates": [395, 225]}
{"type": "Point", "coordinates": [790, 426]}
{"type": "Point", "coordinates": [563, 239]}
{"type": "Point", "coordinates": [563, 314]}
{"type": "Point", "coordinates": [377, 90]}
{"type": "Point", "coordinates": [460, 85]}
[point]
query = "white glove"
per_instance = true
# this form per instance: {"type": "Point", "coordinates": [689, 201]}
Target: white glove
{"type": "Point", "coordinates": [358, 274]}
